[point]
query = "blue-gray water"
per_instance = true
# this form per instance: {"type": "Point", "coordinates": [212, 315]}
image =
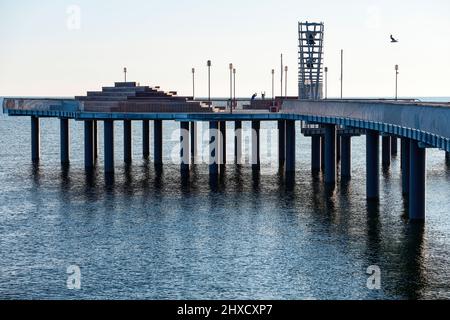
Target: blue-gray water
{"type": "Point", "coordinates": [154, 236]}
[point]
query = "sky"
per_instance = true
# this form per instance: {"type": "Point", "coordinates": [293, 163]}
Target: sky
{"type": "Point", "coordinates": [65, 48]}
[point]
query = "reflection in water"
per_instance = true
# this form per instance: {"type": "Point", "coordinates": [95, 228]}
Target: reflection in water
{"type": "Point", "coordinates": [228, 232]}
{"type": "Point", "coordinates": [35, 172]}
{"type": "Point", "coordinates": [65, 178]}
{"type": "Point", "coordinates": [411, 260]}
{"type": "Point", "coordinates": [91, 178]}
{"type": "Point", "coordinates": [256, 179]}
{"type": "Point", "coordinates": [386, 171]}
{"type": "Point", "coordinates": [373, 240]}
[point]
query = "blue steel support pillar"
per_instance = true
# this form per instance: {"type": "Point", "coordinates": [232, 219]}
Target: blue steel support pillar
{"type": "Point", "coordinates": [338, 148]}
{"type": "Point", "coordinates": [64, 140]}
{"type": "Point", "coordinates": [394, 146]}
{"type": "Point", "coordinates": [223, 144]}
{"type": "Point", "coordinates": [282, 143]}
{"type": "Point", "coordinates": [193, 137]}
{"type": "Point", "coordinates": [405, 160]}
{"type": "Point", "coordinates": [322, 153]}
{"type": "Point", "coordinates": [346, 157]}
{"type": "Point", "coordinates": [127, 141]}
{"type": "Point", "coordinates": [373, 164]}
{"type": "Point", "coordinates": [256, 141]}
{"type": "Point", "coordinates": [184, 147]}
{"type": "Point", "coordinates": [158, 137]}
{"type": "Point", "coordinates": [109, 145]}
{"type": "Point", "coordinates": [238, 142]}
{"type": "Point", "coordinates": [88, 144]}
{"type": "Point", "coordinates": [214, 148]}
{"type": "Point", "coordinates": [417, 181]}
{"type": "Point", "coordinates": [290, 146]}
{"type": "Point", "coordinates": [316, 153]}
{"type": "Point", "coordinates": [386, 151]}
{"type": "Point", "coordinates": [35, 139]}
{"type": "Point", "coordinates": [146, 139]}
{"type": "Point", "coordinates": [95, 139]}
{"type": "Point", "coordinates": [330, 153]}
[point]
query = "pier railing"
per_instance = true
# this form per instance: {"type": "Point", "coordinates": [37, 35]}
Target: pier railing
{"type": "Point", "coordinates": [421, 121]}
{"type": "Point", "coordinates": [41, 104]}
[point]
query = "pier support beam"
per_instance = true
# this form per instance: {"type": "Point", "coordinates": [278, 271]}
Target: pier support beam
{"type": "Point", "coordinates": [316, 154]}
{"type": "Point", "coordinates": [88, 144]}
{"type": "Point", "coordinates": [214, 147]}
{"type": "Point", "coordinates": [322, 153]}
{"type": "Point", "coordinates": [256, 145]}
{"type": "Point", "coordinates": [223, 144]}
{"type": "Point", "coordinates": [35, 140]}
{"type": "Point", "coordinates": [386, 151]}
{"type": "Point", "coordinates": [108, 131]}
{"type": "Point", "coordinates": [405, 160]}
{"type": "Point", "coordinates": [158, 137]}
{"type": "Point", "coordinates": [394, 146]}
{"type": "Point", "coordinates": [127, 141]}
{"type": "Point", "coordinates": [373, 164]}
{"type": "Point", "coordinates": [447, 157]}
{"type": "Point", "coordinates": [290, 146]}
{"type": "Point", "coordinates": [238, 142]}
{"type": "Point", "coordinates": [330, 153]}
{"type": "Point", "coordinates": [417, 181]}
{"type": "Point", "coordinates": [95, 128]}
{"type": "Point", "coordinates": [346, 157]}
{"type": "Point", "coordinates": [281, 143]}
{"type": "Point", "coordinates": [64, 140]}
{"type": "Point", "coordinates": [146, 139]}
{"type": "Point", "coordinates": [184, 147]}
{"type": "Point", "coordinates": [338, 148]}
{"type": "Point", "coordinates": [193, 142]}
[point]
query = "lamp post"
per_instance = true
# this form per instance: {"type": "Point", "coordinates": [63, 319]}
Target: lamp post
{"type": "Point", "coordinates": [208, 64]}
{"type": "Point", "coordinates": [396, 82]}
{"type": "Point", "coordinates": [282, 78]}
{"type": "Point", "coordinates": [193, 83]}
{"type": "Point", "coordinates": [125, 73]}
{"type": "Point", "coordinates": [273, 85]}
{"type": "Point", "coordinates": [326, 82]}
{"type": "Point", "coordinates": [234, 87]}
{"type": "Point", "coordinates": [342, 73]}
{"type": "Point", "coordinates": [286, 81]}
{"type": "Point", "coordinates": [231, 88]}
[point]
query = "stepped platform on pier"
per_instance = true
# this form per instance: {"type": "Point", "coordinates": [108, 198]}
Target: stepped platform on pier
{"type": "Point", "coordinates": [130, 97]}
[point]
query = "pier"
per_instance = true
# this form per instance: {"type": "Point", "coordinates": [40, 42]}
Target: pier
{"type": "Point", "coordinates": [330, 124]}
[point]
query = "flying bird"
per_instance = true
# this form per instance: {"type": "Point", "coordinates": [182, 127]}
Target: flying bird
{"type": "Point", "coordinates": [393, 40]}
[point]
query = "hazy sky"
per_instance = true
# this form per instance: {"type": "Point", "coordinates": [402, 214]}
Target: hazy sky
{"type": "Point", "coordinates": [47, 51]}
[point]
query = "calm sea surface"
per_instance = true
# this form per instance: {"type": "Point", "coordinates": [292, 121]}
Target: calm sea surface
{"type": "Point", "coordinates": [153, 235]}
